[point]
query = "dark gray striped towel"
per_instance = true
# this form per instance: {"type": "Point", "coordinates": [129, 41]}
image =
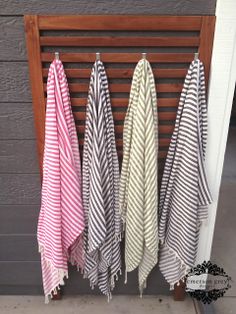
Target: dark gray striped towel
{"type": "Point", "coordinates": [100, 187]}
{"type": "Point", "coordinates": [184, 194]}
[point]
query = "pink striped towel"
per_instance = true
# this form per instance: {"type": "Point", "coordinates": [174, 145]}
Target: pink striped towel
{"type": "Point", "coordinates": [61, 218]}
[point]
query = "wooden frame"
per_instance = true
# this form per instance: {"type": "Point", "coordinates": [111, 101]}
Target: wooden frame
{"type": "Point", "coordinates": [147, 26]}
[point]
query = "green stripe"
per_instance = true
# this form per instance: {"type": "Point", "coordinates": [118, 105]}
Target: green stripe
{"type": "Point", "coordinates": [138, 183]}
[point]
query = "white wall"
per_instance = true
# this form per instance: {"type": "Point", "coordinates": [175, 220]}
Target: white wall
{"type": "Point", "coordinates": [220, 97]}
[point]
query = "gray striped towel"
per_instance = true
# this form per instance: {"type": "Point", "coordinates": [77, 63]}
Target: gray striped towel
{"type": "Point", "coordinates": [138, 184]}
{"type": "Point", "coordinates": [100, 175]}
{"type": "Point", "coordinates": [184, 195]}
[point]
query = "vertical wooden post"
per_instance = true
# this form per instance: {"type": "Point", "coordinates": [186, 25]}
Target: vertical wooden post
{"type": "Point", "coordinates": [179, 292]}
{"type": "Point", "coordinates": [206, 43]}
{"type": "Point", "coordinates": [36, 79]}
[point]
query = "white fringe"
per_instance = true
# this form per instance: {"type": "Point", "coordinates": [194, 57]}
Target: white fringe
{"type": "Point", "coordinates": [125, 277]}
{"type": "Point", "coordinates": [142, 287]}
{"type": "Point", "coordinates": [61, 273]}
{"type": "Point", "coordinates": [183, 265]}
{"type": "Point", "coordinates": [109, 297]}
{"type": "Point", "coordinates": [118, 237]}
{"type": "Point", "coordinates": [115, 277]}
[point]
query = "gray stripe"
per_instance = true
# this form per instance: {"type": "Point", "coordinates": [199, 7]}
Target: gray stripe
{"type": "Point", "coordinates": [100, 187]}
{"type": "Point", "coordinates": [184, 194]}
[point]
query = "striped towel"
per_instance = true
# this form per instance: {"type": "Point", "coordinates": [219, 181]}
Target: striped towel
{"type": "Point", "coordinates": [100, 187]}
{"type": "Point", "coordinates": [184, 194]}
{"type": "Point", "coordinates": [138, 183]}
{"type": "Point", "coordinates": [61, 219]}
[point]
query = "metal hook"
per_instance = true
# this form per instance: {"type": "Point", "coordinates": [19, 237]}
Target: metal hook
{"type": "Point", "coordinates": [97, 56]}
{"type": "Point", "coordinates": [144, 55]}
{"type": "Point", "coordinates": [195, 56]}
{"type": "Point", "coordinates": [57, 55]}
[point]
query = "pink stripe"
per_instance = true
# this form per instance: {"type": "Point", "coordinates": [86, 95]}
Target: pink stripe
{"type": "Point", "coordinates": [61, 218]}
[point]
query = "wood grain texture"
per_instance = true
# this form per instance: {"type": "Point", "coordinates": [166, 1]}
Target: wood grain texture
{"type": "Point", "coordinates": [12, 43]}
{"type": "Point", "coordinates": [206, 43]}
{"type": "Point", "coordinates": [120, 116]}
{"type": "Point", "coordinates": [20, 189]}
{"type": "Point", "coordinates": [35, 70]}
{"type": "Point", "coordinates": [163, 129]}
{"type": "Point", "coordinates": [20, 273]}
{"type": "Point", "coordinates": [179, 292]}
{"type": "Point", "coordinates": [25, 276]}
{"type": "Point", "coordinates": [121, 57]}
{"type": "Point", "coordinates": [120, 22]}
{"type": "Point", "coordinates": [117, 41]}
{"type": "Point", "coordinates": [161, 156]}
{"type": "Point", "coordinates": [18, 156]}
{"type": "Point", "coordinates": [18, 219]}
{"type": "Point", "coordinates": [19, 248]}
{"type": "Point", "coordinates": [16, 121]}
{"type": "Point", "coordinates": [183, 7]}
{"type": "Point", "coordinates": [123, 88]}
{"type": "Point", "coordinates": [14, 82]}
{"type": "Point", "coordinates": [123, 102]}
{"type": "Point", "coordinates": [163, 142]}
{"type": "Point", "coordinates": [122, 73]}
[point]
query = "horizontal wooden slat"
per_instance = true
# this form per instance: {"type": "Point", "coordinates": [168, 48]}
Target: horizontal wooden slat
{"type": "Point", "coordinates": [161, 158]}
{"type": "Point", "coordinates": [122, 57]}
{"type": "Point", "coordinates": [119, 116]}
{"type": "Point", "coordinates": [124, 88]}
{"type": "Point", "coordinates": [123, 102]}
{"type": "Point", "coordinates": [161, 153]}
{"type": "Point", "coordinates": [116, 41]}
{"type": "Point", "coordinates": [163, 142]}
{"type": "Point", "coordinates": [120, 22]}
{"type": "Point", "coordinates": [123, 73]}
{"type": "Point", "coordinates": [162, 129]}
{"type": "Point", "coordinates": [147, 34]}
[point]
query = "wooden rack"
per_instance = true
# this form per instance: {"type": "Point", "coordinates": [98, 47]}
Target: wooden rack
{"type": "Point", "coordinates": [169, 41]}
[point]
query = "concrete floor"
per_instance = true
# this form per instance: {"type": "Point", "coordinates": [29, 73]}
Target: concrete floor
{"type": "Point", "coordinates": [95, 304]}
{"type": "Point", "coordinates": [226, 305]}
{"type": "Point", "coordinates": [223, 250]}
